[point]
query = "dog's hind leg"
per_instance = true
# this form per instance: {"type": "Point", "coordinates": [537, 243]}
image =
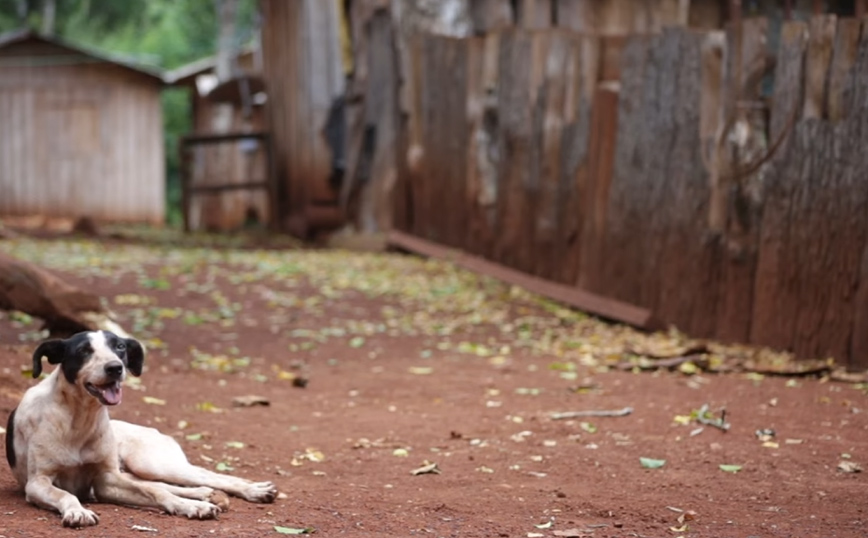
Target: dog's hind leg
{"type": "Point", "coordinates": [150, 455]}
{"type": "Point", "coordinates": [120, 488]}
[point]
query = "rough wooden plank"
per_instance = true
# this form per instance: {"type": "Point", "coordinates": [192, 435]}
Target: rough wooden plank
{"type": "Point", "coordinates": [621, 256]}
{"type": "Point", "coordinates": [821, 30]}
{"type": "Point", "coordinates": [583, 300]}
{"type": "Point", "coordinates": [514, 100]}
{"type": "Point", "coordinates": [491, 15]}
{"type": "Point", "coordinates": [858, 131]}
{"type": "Point", "coordinates": [773, 321]}
{"type": "Point", "coordinates": [595, 193]}
{"type": "Point", "coordinates": [735, 205]}
{"type": "Point", "coordinates": [843, 57]}
{"type": "Point", "coordinates": [577, 15]}
{"type": "Point", "coordinates": [576, 135]}
{"type": "Point", "coordinates": [533, 14]}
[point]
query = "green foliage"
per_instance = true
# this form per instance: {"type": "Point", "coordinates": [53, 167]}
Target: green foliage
{"type": "Point", "coordinates": [159, 33]}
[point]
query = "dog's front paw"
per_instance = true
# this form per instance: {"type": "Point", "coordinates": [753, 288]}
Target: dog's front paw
{"type": "Point", "coordinates": [260, 492]}
{"type": "Point", "coordinates": [197, 509]}
{"type": "Point", "coordinates": [79, 517]}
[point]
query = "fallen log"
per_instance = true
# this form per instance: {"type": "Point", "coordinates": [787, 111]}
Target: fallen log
{"type": "Point", "coordinates": [65, 309]}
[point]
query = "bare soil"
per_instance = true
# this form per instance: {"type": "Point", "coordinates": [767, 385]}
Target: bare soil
{"type": "Point", "coordinates": [395, 383]}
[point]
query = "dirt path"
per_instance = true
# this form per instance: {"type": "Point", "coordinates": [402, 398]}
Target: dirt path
{"type": "Point", "coordinates": [411, 362]}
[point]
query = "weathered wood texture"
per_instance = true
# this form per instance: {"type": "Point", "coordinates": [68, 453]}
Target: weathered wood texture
{"type": "Point", "coordinates": [75, 125]}
{"type": "Point", "coordinates": [304, 76]}
{"type": "Point", "coordinates": [676, 189]}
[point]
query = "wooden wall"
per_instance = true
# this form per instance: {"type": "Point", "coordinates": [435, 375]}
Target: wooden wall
{"type": "Point", "coordinates": [79, 138]}
{"type": "Point", "coordinates": [681, 188]}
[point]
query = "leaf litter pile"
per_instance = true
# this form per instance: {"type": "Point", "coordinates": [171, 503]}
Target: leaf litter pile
{"type": "Point", "coordinates": [355, 379]}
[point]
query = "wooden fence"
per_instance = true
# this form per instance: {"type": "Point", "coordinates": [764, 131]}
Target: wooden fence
{"type": "Point", "coordinates": [719, 183]}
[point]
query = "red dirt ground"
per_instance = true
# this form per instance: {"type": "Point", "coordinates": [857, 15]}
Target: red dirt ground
{"type": "Point", "coordinates": [335, 447]}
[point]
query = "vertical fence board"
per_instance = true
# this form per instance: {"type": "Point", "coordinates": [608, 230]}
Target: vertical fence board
{"type": "Point", "coordinates": [576, 159]}
{"type": "Point", "coordinates": [857, 129]}
{"type": "Point", "coordinates": [621, 257]}
{"type": "Point", "coordinates": [774, 275]}
{"type": "Point", "coordinates": [817, 60]}
{"type": "Point", "coordinates": [514, 112]}
{"type": "Point", "coordinates": [843, 58]}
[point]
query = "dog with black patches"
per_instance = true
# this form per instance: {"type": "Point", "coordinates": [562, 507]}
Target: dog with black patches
{"type": "Point", "coordinates": [63, 448]}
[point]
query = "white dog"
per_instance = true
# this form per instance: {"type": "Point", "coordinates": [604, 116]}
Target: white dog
{"type": "Point", "coordinates": [62, 447]}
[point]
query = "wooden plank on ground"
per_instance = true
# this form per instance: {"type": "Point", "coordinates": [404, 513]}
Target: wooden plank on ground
{"type": "Point", "coordinates": [578, 298]}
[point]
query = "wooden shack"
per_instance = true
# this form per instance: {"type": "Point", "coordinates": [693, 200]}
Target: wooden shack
{"type": "Point", "coordinates": [226, 176]}
{"type": "Point", "coordinates": [81, 133]}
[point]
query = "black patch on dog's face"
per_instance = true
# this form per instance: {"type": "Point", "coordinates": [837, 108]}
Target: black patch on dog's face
{"type": "Point", "coordinates": [10, 437]}
{"type": "Point", "coordinates": [74, 352]}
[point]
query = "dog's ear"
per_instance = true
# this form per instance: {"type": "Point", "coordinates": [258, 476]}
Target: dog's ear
{"type": "Point", "coordinates": [135, 356]}
{"type": "Point", "coordinates": [54, 350]}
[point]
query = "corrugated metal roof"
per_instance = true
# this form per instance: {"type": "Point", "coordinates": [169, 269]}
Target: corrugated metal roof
{"type": "Point", "coordinates": [24, 35]}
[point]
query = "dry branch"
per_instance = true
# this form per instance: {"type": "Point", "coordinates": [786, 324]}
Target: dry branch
{"type": "Point", "coordinates": [64, 308]}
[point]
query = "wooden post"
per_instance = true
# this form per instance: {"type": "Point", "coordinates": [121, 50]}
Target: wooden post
{"type": "Point", "coordinates": [490, 15]}
{"type": "Point", "coordinates": [534, 14]}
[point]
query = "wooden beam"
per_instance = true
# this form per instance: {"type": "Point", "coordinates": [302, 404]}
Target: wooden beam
{"type": "Point", "coordinates": [575, 297]}
{"type": "Point", "coordinates": [220, 187]}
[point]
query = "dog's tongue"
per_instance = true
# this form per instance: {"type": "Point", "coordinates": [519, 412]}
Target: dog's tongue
{"type": "Point", "coordinates": [111, 393]}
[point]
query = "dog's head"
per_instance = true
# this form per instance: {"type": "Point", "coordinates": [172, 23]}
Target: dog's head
{"type": "Point", "coordinates": [97, 361]}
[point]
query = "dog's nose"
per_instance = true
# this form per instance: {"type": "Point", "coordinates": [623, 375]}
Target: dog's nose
{"type": "Point", "coordinates": [114, 369]}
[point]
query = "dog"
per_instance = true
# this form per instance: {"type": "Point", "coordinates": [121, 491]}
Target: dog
{"type": "Point", "coordinates": [63, 448]}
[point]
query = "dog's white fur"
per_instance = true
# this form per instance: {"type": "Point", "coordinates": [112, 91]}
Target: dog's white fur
{"type": "Point", "coordinates": [66, 448]}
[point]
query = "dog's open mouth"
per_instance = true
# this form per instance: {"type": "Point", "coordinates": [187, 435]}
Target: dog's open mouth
{"type": "Point", "coordinates": [108, 394]}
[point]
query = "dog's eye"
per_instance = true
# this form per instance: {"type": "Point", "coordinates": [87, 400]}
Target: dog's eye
{"type": "Point", "coordinates": [121, 346]}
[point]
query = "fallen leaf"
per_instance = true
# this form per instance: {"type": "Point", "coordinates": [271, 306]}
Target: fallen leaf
{"type": "Point", "coordinates": [588, 427]}
{"type": "Point", "coordinates": [401, 452]}
{"type": "Point", "coordinates": [426, 468]}
{"type": "Point", "coordinates": [153, 401]}
{"type": "Point", "coordinates": [421, 370]}
{"type": "Point", "coordinates": [224, 467]}
{"type": "Point", "coordinates": [194, 437]}
{"type": "Point", "coordinates": [535, 535]}
{"type": "Point", "coordinates": [849, 467]}
{"type": "Point", "coordinates": [487, 470]}
{"type": "Point", "coordinates": [730, 468]}
{"type": "Point", "coordinates": [546, 525]}
{"type": "Point", "coordinates": [234, 444]}
{"type": "Point", "coordinates": [651, 463]}
{"type": "Point", "coordinates": [208, 406]}
{"type": "Point", "coordinates": [682, 528]}
{"type": "Point", "coordinates": [250, 401]}
{"type": "Point", "coordinates": [293, 530]}
{"type": "Point", "coordinates": [570, 533]}
{"type": "Point", "coordinates": [143, 529]}
{"type": "Point", "coordinates": [357, 341]}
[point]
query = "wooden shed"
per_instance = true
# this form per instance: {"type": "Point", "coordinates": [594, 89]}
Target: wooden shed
{"type": "Point", "coordinates": [226, 177]}
{"type": "Point", "coordinates": [81, 133]}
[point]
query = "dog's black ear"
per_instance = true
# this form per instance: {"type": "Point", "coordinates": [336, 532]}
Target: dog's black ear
{"type": "Point", "coordinates": [135, 356]}
{"type": "Point", "coordinates": [55, 350]}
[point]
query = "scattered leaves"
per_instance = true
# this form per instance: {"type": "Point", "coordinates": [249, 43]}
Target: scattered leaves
{"type": "Point", "coordinates": [150, 400]}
